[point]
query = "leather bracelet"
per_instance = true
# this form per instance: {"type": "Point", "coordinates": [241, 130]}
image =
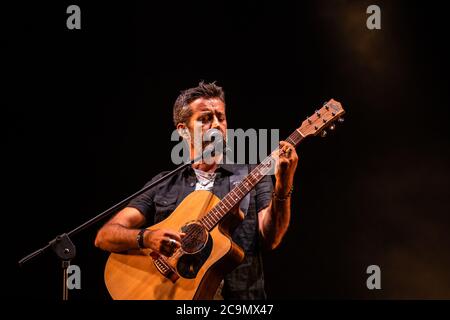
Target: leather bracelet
{"type": "Point", "coordinates": [287, 196]}
{"type": "Point", "coordinates": [140, 239]}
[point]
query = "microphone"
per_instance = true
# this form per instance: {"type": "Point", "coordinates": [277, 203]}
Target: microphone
{"type": "Point", "coordinates": [214, 148]}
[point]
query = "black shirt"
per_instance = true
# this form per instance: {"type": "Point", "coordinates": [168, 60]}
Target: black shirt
{"type": "Point", "coordinates": [246, 282]}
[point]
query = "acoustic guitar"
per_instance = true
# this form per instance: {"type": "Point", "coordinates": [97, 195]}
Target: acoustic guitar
{"type": "Point", "coordinates": [207, 251]}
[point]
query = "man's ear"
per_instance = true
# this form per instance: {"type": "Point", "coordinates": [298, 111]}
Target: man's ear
{"type": "Point", "coordinates": [183, 131]}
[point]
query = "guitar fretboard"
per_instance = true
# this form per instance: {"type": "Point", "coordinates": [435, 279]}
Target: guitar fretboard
{"type": "Point", "coordinates": [232, 199]}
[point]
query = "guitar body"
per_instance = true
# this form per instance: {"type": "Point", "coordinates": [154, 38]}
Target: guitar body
{"type": "Point", "coordinates": [196, 275]}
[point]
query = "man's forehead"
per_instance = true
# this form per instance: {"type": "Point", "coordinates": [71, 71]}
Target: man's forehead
{"type": "Point", "coordinates": [207, 104]}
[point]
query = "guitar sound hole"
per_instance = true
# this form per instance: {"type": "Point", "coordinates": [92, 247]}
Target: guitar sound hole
{"type": "Point", "coordinates": [195, 238]}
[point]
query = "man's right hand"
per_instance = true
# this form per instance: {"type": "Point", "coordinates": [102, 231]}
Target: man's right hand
{"type": "Point", "coordinates": [163, 241]}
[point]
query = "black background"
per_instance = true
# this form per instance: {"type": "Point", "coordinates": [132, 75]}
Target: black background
{"type": "Point", "coordinates": [88, 118]}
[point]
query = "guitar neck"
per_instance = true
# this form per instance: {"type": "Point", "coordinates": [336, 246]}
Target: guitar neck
{"type": "Point", "coordinates": [216, 214]}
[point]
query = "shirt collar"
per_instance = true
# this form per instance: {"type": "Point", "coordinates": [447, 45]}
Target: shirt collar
{"type": "Point", "coordinates": [227, 169]}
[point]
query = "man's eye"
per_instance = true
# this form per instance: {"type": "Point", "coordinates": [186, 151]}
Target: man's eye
{"type": "Point", "coordinates": [206, 118]}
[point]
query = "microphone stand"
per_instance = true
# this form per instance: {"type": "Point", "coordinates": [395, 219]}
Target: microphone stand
{"type": "Point", "coordinates": [64, 247]}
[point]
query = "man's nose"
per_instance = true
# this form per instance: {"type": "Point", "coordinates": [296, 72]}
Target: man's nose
{"type": "Point", "coordinates": [215, 123]}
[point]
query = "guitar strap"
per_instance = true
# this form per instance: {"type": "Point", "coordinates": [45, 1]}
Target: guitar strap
{"type": "Point", "coordinates": [235, 179]}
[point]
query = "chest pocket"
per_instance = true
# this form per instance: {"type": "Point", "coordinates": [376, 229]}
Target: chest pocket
{"type": "Point", "coordinates": [164, 206]}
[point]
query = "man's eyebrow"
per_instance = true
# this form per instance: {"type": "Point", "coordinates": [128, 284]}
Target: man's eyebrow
{"type": "Point", "coordinates": [209, 112]}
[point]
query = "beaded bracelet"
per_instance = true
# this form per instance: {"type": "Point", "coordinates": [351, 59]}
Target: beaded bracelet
{"type": "Point", "coordinates": [287, 196]}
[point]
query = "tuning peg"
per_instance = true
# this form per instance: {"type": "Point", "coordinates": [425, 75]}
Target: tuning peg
{"type": "Point", "coordinates": [323, 134]}
{"type": "Point", "coordinates": [340, 120]}
{"type": "Point", "coordinates": [332, 127]}
{"type": "Point", "coordinates": [325, 104]}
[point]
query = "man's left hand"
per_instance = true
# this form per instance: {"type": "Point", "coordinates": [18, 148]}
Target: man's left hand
{"type": "Point", "coordinates": [286, 166]}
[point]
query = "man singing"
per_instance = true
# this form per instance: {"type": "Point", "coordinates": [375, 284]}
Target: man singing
{"type": "Point", "coordinates": [267, 216]}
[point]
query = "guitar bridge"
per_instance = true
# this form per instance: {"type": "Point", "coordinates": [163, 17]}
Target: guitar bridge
{"type": "Point", "coordinates": [164, 268]}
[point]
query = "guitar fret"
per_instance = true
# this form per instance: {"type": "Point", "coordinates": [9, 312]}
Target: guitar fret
{"type": "Point", "coordinates": [227, 206]}
{"type": "Point", "coordinates": [290, 140]}
{"type": "Point", "coordinates": [205, 219]}
{"type": "Point", "coordinates": [221, 206]}
{"type": "Point", "coordinates": [205, 222]}
{"type": "Point", "coordinates": [219, 213]}
{"type": "Point", "coordinates": [295, 138]}
{"type": "Point", "coordinates": [239, 191]}
{"type": "Point", "coordinates": [211, 218]}
{"type": "Point", "coordinates": [243, 192]}
{"type": "Point", "coordinates": [202, 221]}
{"type": "Point", "coordinates": [232, 197]}
{"type": "Point", "coordinates": [214, 216]}
{"type": "Point", "coordinates": [212, 223]}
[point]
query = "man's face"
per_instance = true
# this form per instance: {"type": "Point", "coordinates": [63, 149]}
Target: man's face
{"type": "Point", "coordinates": [207, 113]}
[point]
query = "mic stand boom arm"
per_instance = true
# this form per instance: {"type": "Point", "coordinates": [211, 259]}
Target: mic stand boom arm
{"type": "Point", "coordinates": [63, 246]}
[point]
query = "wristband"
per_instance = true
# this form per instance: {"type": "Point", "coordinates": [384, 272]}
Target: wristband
{"type": "Point", "coordinates": [140, 238]}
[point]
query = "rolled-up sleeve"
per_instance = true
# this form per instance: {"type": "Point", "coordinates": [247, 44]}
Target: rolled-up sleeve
{"type": "Point", "coordinates": [144, 202]}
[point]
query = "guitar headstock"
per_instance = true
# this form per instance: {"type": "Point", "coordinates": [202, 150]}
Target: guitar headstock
{"type": "Point", "coordinates": [322, 119]}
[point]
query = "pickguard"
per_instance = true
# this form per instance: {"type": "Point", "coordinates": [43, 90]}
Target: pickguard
{"type": "Point", "coordinates": [188, 265]}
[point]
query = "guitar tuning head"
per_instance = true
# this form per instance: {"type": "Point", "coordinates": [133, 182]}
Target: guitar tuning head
{"type": "Point", "coordinates": [323, 134]}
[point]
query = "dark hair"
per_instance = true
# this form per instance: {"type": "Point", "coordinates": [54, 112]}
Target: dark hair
{"type": "Point", "coordinates": [181, 110]}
